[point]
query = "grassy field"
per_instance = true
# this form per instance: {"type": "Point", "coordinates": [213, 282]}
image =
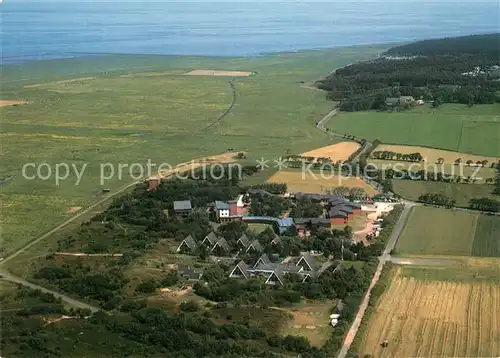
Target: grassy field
{"type": "Point", "coordinates": [487, 238]}
{"type": "Point", "coordinates": [428, 313]}
{"type": "Point", "coordinates": [128, 109]}
{"type": "Point", "coordinates": [438, 231]}
{"type": "Point", "coordinates": [453, 127]}
{"type": "Point", "coordinates": [461, 193]}
{"type": "Point", "coordinates": [434, 231]}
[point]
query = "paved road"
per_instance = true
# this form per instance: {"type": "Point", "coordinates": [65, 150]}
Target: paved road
{"type": "Point", "coordinates": [396, 232]}
{"type": "Point", "coordinates": [75, 303]}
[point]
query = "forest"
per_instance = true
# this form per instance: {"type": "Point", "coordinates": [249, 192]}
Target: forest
{"type": "Point", "coordinates": [458, 70]}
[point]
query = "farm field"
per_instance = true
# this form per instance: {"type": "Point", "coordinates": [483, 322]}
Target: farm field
{"type": "Point", "coordinates": [316, 182]}
{"type": "Point", "coordinates": [435, 231]}
{"type": "Point", "coordinates": [487, 238]}
{"type": "Point", "coordinates": [131, 109]}
{"type": "Point", "coordinates": [480, 175]}
{"type": "Point", "coordinates": [461, 193]}
{"type": "Point", "coordinates": [340, 151]}
{"type": "Point", "coordinates": [438, 231]}
{"type": "Point", "coordinates": [422, 316]}
{"type": "Point", "coordinates": [432, 155]}
{"type": "Point", "coordinates": [451, 127]}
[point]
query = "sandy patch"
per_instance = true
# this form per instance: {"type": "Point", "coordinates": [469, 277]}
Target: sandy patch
{"type": "Point", "coordinates": [60, 82]}
{"type": "Point", "coordinates": [73, 209]}
{"type": "Point", "coordinates": [432, 155]}
{"type": "Point", "coordinates": [7, 103]}
{"type": "Point", "coordinates": [219, 73]}
{"type": "Point", "coordinates": [360, 236]}
{"type": "Point", "coordinates": [339, 151]}
{"type": "Point", "coordinates": [197, 163]}
{"type": "Point", "coordinates": [316, 183]}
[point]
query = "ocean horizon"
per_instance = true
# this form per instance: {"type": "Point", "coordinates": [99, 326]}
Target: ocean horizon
{"type": "Point", "coordinates": [42, 30]}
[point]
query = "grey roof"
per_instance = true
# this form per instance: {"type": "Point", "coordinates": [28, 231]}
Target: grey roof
{"type": "Point", "coordinates": [182, 205]}
{"type": "Point", "coordinates": [222, 243]}
{"type": "Point", "coordinates": [221, 205]}
{"type": "Point", "coordinates": [211, 238]}
{"type": "Point", "coordinates": [244, 240]}
{"type": "Point", "coordinates": [242, 267]}
{"type": "Point", "coordinates": [255, 245]}
{"type": "Point", "coordinates": [346, 209]}
{"type": "Point", "coordinates": [312, 221]}
{"type": "Point", "coordinates": [189, 241]}
{"type": "Point", "coordinates": [276, 240]}
{"type": "Point", "coordinates": [189, 273]}
{"type": "Point", "coordinates": [310, 260]}
{"type": "Point", "coordinates": [336, 213]}
{"type": "Point", "coordinates": [262, 261]}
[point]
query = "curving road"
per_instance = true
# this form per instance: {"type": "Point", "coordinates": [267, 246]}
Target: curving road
{"type": "Point", "coordinates": [75, 303]}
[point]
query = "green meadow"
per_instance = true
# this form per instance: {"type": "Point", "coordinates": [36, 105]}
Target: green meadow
{"type": "Point", "coordinates": [435, 231]}
{"type": "Point", "coordinates": [129, 109]}
{"type": "Point", "coordinates": [453, 127]}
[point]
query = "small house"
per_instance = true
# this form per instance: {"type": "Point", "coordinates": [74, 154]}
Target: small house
{"type": "Point", "coordinates": [276, 241]}
{"type": "Point", "coordinates": [222, 211]}
{"type": "Point", "coordinates": [188, 244]}
{"type": "Point", "coordinates": [243, 242]}
{"type": "Point", "coordinates": [210, 240]}
{"type": "Point", "coordinates": [183, 207]}
{"type": "Point", "coordinates": [307, 262]}
{"type": "Point", "coordinates": [221, 247]}
{"type": "Point", "coordinates": [254, 246]}
{"type": "Point", "coordinates": [240, 270]}
{"type": "Point", "coordinates": [262, 261]}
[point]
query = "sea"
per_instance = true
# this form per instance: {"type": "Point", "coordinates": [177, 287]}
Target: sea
{"type": "Point", "coordinates": [49, 29]}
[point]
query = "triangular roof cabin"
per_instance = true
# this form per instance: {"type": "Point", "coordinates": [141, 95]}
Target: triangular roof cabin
{"type": "Point", "coordinates": [262, 261]}
{"type": "Point", "coordinates": [189, 243]}
{"type": "Point", "coordinates": [243, 241]}
{"type": "Point", "coordinates": [210, 239]}
{"type": "Point", "coordinates": [274, 278]}
{"type": "Point", "coordinates": [240, 270]}
{"type": "Point", "coordinates": [221, 244]}
{"type": "Point", "coordinates": [307, 262]}
{"type": "Point", "coordinates": [255, 246]}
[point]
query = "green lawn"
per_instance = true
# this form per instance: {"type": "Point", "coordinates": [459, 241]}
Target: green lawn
{"type": "Point", "coordinates": [453, 127]}
{"type": "Point", "coordinates": [438, 232]}
{"type": "Point", "coordinates": [135, 108]}
{"type": "Point", "coordinates": [487, 238]}
{"type": "Point", "coordinates": [461, 193]}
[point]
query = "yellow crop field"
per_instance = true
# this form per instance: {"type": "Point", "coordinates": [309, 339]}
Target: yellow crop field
{"type": "Point", "coordinates": [420, 318]}
{"type": "Point", "coordinates": [306, 182]}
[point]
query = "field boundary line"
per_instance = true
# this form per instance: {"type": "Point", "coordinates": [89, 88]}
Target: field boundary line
{"type": "Point", "coordinates": [438, 148]}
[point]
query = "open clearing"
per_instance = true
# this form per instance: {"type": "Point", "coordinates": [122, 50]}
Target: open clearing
{"type": "Point", "coordinates": [422, 317]}
{"type": "Point", "coordinates": [431, 155]}
{"type": "Point", "coordinates": [339, 151]}
{"type": "Point", "coordinates": [219, 73]}
{"type": "Point", "coordinates": [452, 127]}
{"type": "Point", "coordinates": [311, 320]}
{"type": "Point", "coordinates": [317, 183]}
{"type": "Point", "coordinates": [8, 103]}
{"type": "Point", "coordinates": [435, 231]}
{"type": "Point", "coordinates": [461, 193]}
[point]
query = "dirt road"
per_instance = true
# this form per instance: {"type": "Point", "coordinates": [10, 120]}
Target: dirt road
{"type": "Point", "coordinates": [70, 301]}
{"type": "Point", "coordinates": [396, 232]}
